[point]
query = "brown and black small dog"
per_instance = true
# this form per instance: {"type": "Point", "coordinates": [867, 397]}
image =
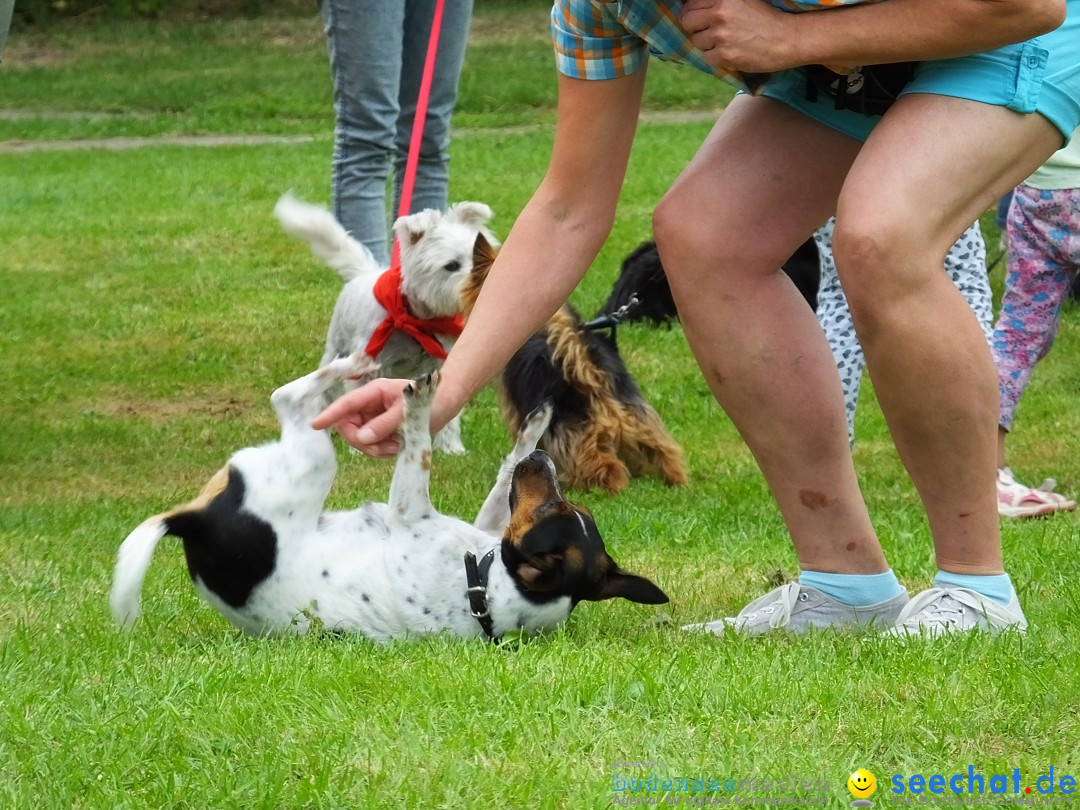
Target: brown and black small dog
{"type": "Point", "coordinates": [602, 429]}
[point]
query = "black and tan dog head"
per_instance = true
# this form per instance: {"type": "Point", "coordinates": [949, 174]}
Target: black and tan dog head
{"type": "Point", "coordinates": [552, 548]}
{"type": "Point", "coordinates": [484, 253]}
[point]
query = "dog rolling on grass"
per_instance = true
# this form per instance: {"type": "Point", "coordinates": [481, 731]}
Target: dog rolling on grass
{"type": "Point", "coordinates": [602, 430]}
{"type": "Point", "coordinates": [261, 550]}
{"type": "Point", "coordinates": [642, 276]}
{"type": "Point", "coordinates": [406, 318]}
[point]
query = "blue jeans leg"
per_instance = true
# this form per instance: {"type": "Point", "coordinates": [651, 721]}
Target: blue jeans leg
{"type": "Point", "coordinates": [377, 52]}
{"type": "Point", "coordinates": [433, 170]}
{"type": "Point", "coordinates": [363, 39]}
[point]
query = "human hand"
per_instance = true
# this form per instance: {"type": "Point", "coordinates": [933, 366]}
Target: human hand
{"type": "Point", "coordinates": [745, 36]}
{"type": "Point", "coordinates": [369, 417]}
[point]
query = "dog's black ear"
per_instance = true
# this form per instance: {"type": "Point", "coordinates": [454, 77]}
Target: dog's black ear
{"type": "Point", "coordinates": [483, 254]}
{"type": "Point", "coordinates": [620, 583]}
{"type": "Point", "coordinates": [541, 572]}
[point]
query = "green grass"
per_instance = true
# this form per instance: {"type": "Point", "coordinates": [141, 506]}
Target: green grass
{"type": "Point", "coordinates": [150, 304]}
{"type": "Point", "coordinates": [268, 76]}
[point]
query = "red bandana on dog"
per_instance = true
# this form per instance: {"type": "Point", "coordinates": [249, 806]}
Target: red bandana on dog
{"type": "Point", "coordinates": [399, 319]}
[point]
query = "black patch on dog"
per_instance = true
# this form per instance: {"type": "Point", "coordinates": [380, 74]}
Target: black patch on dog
{"type": "Point", "coordinates": [544, 546]}
{"type": "Point", "coordinates": [231, 551]}
{"type": "Point", "coordinates": [642, 275]}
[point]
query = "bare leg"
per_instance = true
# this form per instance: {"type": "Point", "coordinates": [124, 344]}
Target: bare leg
{"type": "Point", "coordinates": [758, 344]}
{"type": "Point", "coordinates": [927, 171]}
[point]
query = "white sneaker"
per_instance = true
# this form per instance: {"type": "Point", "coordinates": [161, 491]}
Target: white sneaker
{"type": "Point", "coordinates": [1015, 500]}
{"type": "Point", "coordinates": [799, 608]}
{"type": "Point", "coordinates": [938, 611]}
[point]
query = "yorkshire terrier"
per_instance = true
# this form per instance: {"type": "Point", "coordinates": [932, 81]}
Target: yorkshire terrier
{"type": "Point", "coordinates": [602, 429]}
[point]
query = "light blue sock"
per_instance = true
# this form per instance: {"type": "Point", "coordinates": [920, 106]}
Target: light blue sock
{"type": "Point", "coordinates": [854, 589]}
{"type": "Point", "coordinates": [994, 586]}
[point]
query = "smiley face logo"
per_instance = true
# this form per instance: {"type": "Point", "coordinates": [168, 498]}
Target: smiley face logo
{"type": "Point", "coordinates": [862, 784]}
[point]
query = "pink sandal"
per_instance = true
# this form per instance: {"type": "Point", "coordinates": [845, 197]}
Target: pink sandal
{"type": "Point", "coordinates": [1018, 501]}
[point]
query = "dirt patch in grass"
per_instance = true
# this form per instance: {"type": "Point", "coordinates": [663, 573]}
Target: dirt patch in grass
{"type": "Point", "coordinates": [165, 411]}
{"type": "Point", "coordinates": [123, 144]}
{"type": "Point", "coordinates": [83, 485]}
{"type": "Point", "coordinates": [66, 43]}
{"type": "Point", "coordinates": [94, 467]}
{"type": "Point", "coordinates": [24, 54]}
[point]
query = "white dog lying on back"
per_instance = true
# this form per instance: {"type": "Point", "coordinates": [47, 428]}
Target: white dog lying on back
{"type": "Point", "coordinates": [260, 548]}
{"type": "Point", "coordinates": [407, 322]}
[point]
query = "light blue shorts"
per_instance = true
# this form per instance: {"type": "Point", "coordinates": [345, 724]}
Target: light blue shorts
{"type": "Point", "coordinates": [1041, 75]}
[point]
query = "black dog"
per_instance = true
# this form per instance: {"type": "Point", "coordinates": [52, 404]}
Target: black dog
{"type": "Point", "coordinates": [642, 276]}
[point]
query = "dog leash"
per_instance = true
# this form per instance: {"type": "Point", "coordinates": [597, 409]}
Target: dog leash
{"type": "Point", "coordinates": [476, 577]}
{"type": "Point", "coordinates": [613, 320]}
{"type": "Point", "coordinates": [419, 119]}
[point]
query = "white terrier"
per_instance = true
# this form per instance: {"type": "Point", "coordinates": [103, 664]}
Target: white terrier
{"type": "Point", "coordinates": [261, 550]}
{"type": "Point", "coordinates": [406, 320]}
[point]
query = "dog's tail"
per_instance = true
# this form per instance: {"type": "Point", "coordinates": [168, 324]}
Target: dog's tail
{"type": "Point", "coordinates": [324, 234]}
{"type": "Point", "coordinates": [132, 561]}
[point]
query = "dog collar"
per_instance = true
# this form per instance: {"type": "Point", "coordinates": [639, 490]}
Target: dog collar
{"type": "Point", "coordinates": [476, 577]}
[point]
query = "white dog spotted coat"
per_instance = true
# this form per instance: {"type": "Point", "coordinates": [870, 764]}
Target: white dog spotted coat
{"type": "Point", "coordinates": [260, 549]}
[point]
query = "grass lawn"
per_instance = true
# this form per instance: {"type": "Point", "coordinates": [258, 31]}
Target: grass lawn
{"type": "Point", "coordinates": [151, 304]}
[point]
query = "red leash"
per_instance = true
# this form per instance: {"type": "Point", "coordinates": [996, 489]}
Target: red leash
{"type": "Point", "coordinates": [388, 287]}
{"type": "Point", "coordinates": [419, 119]}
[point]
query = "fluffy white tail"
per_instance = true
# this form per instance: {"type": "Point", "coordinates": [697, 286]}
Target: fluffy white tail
{"type": "Point", "coordinates": [327, 239]}
{"type": "Point", "coordinates": [131, 563]}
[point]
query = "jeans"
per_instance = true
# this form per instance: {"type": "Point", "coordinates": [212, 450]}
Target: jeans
{"type": "Point", "coordinates": [6, 8]}
{"type": "Point", "coordinates": [377, 50]}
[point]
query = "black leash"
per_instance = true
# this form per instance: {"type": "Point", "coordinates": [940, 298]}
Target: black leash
{"type": "Point", "coordinates": [476, 577]}
{"type": "Point", "coordinates": [612, 320]}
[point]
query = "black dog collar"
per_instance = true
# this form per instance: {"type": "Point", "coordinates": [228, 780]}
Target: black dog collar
{"type": "Point", "coordinates": [476, 576]}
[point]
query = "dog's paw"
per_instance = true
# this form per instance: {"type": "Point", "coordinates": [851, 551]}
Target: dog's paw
{"type": "Point", "coordinates": [356, 366]}
{"type": "Point", "coordinates": [359, 366]}
{"type": "Point", "coordinates": [536, 424]}
{"type": "Point", "coordinates": [419, 393]}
